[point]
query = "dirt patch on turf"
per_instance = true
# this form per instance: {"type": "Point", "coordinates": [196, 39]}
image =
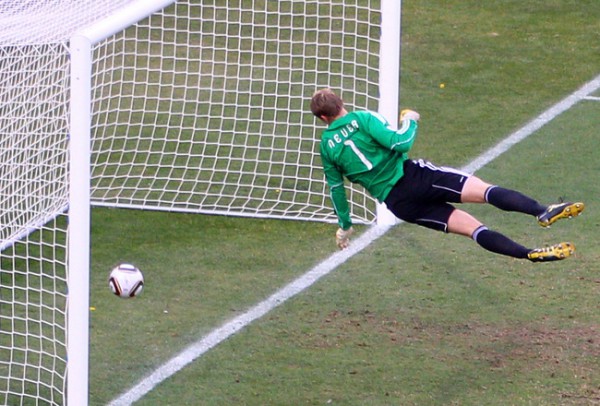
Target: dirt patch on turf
{"type": "Point", "coordinates": [556, 351]}
{"type": "Point", "coordinates": [539, 341]}
{"type": "Point", "coordinates": [518, 349]}
{"type": "Point", "coordinates": [547, 344]}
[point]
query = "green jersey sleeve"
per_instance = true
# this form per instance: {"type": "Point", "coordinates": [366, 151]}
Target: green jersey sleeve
{"type": "Point", "coordinates": [337, 191]}
{"type": "Point", "coordinates": [400, 140]}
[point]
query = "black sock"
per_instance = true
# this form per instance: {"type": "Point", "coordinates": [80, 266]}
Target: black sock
{"type": "Point", "coordinates": [510, 200]}
{"type": "Point", "coordinates": [498, 243]}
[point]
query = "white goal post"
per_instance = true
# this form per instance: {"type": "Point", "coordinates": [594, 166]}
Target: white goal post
{"type": "Point", "coordinates": [178, 106]}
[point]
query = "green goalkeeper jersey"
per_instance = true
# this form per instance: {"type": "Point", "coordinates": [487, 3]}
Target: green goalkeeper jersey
{"type": "Point", "coordinates": [362, 147]}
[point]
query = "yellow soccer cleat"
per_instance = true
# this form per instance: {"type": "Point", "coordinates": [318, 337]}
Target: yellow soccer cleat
{"type": "Point", "coordinates": [553, 253]}
{"type": "Point", "coordinates": [559, 211]}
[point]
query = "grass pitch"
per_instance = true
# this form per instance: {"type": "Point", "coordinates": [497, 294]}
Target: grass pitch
{"type": "Point", "coordinates": [418, 318]}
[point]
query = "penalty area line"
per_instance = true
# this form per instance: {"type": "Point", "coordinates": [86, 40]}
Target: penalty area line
{"type": "Point", "coordinates": [236, 324]}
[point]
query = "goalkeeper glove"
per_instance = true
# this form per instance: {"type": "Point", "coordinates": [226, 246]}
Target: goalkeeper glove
{"type": "Point", "coordinates": [408, 114]}
{"type": "Point", "coordinates": [342, 237]}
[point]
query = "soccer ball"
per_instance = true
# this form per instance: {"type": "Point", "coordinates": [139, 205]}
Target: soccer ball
{"type": "Point", "coordinates": [126, 280]}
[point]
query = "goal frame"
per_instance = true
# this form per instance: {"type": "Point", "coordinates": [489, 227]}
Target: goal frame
{"type": "Point", "coordinates": [79, 245]}
{"type": "Point", "coordinates": [79, 241]}
{"type": "Point", "coordinates": [389, 77]}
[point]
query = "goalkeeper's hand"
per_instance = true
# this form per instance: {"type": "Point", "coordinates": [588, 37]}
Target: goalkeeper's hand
{"type": "Point", "coordinates": [408, 114]}
{"type": "Point", "coordinates": [342, 237]}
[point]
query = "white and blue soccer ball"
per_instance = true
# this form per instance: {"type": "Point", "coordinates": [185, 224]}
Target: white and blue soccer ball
{"type": "Point", "coordinates": [126, 281]}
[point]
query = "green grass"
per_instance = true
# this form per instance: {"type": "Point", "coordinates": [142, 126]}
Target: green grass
{"type": "Point", "coordinates": [422, 318]}
{"type": "Point", "coordinates": [418, 318]}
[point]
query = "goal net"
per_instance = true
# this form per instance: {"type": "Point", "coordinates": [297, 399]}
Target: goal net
{"type": "Point", "coordinates": [200, 107]}
{"type": "Point", "coordinates": [204, 106]}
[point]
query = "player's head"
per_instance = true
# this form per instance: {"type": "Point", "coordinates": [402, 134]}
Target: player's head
{"type": "Point", "coordinates": [326, 105]}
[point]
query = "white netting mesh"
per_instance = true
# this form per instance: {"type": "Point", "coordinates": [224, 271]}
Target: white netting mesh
{"type": "Point", "coordinates": [204, 106]}
{"type": "Point", "coordinates": [34, 97]}
{"type": "Point", "coordinates": [49, 21]}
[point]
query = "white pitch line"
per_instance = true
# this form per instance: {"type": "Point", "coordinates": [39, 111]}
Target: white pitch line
{"type": "Point", "coordinates": [236, 324]}
{"type": "Point", "coordinates": [231, 327]}
{"type": "Point", "coordinates": [534, 125]}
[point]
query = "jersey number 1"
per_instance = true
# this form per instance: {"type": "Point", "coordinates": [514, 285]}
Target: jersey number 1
{"type": "Point", "coordinates": [359, 154]}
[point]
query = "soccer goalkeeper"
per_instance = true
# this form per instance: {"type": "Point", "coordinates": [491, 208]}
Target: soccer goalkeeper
{"type": "Point", "coordinates": [362, 147]}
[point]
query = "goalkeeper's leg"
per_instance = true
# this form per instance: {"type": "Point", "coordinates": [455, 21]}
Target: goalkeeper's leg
{"type": "Point", "coordinates": [461, 222]}
{"type": "Point", "coordinates": [478, 191]}
{"type": "Point", "coordinates": [511, 200]}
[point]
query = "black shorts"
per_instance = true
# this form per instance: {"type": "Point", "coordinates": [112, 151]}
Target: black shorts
{"type": "Point", "coordinates": [423, 195]}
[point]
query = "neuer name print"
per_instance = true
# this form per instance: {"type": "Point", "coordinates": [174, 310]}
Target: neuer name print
{"type": "Point", "coordinates": [343, 134]}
